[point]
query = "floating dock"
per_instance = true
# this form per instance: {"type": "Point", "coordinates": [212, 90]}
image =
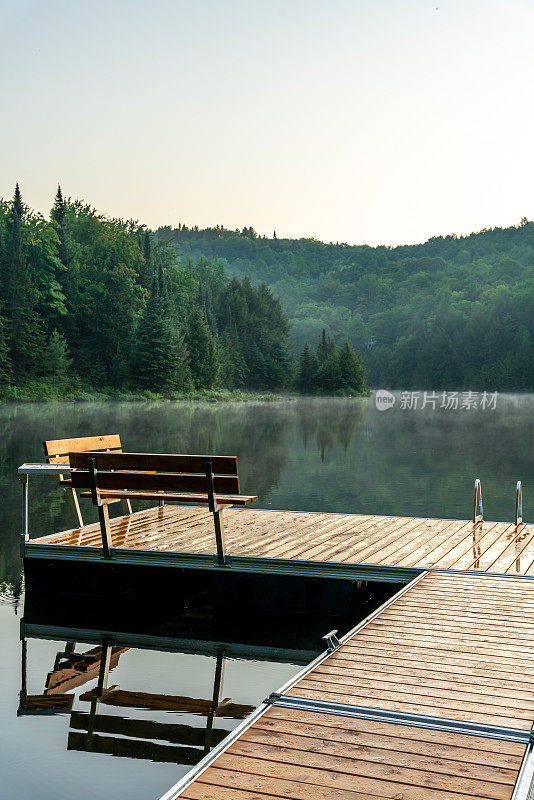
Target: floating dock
{"type": "Point", "coordinates": [430, 698]}
{"type": "Point", "coordinates": [350, 546]}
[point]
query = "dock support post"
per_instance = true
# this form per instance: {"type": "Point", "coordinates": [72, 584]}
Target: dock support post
{"type": "Point", "coordinates": [216, 510]}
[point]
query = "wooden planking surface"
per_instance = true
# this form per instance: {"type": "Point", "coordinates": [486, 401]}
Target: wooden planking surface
{"type": "Point", "coordinates": [443, 649]}
{"type": "Point", "coordinates": [305, 756]}
{"type": "Point", "coordinates": [454, 646]}
{"type": "Point", "coordinates": [389, 541]}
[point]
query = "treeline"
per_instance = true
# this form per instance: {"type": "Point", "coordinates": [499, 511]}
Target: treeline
{"type": "Point", "coordinates": [89, 303]}
{"type": "Point", "coordinates": [454, 312]}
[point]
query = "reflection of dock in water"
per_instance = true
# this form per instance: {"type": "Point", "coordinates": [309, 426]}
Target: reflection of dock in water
{"type": "Point", "coordinates": [119, 735]}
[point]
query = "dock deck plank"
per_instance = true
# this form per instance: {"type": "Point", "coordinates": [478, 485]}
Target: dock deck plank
{"type": "Point", "coordinates": [343, 538]}
{"type": "Point", "coordinates": [407, 659]}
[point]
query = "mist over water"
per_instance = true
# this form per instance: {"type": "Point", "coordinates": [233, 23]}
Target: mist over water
{"type": "Point", "coordinates": [339, 455]}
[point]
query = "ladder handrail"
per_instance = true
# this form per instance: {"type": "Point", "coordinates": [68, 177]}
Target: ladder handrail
{"type": "Point", "coordinates": [478, 510]}
{"type": "Point", "coordinates": [518, 504]}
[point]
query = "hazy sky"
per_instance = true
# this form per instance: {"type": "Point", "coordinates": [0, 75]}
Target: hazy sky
{"type": "Point", "coordinates": [365, 121]}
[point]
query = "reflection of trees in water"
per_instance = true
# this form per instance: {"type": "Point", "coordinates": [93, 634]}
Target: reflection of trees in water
{"type": "Point", "coordinates": [330, 423]}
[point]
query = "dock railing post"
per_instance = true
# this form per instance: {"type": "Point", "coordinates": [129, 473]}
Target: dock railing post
{"type": "Point", "coordinates": [217, 515]}
{"type": "Point", "coordinates": [103, 513]}
{"type": "Point", "coordinates": [478, 511]}
{"type": "Point", "coordinates": [518, 504]}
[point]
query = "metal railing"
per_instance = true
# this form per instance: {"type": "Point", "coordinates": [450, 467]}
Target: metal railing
{"type": "Point", "coordinates": [478, 510]}
{"type": "Point", "coordinates": [518, 504]}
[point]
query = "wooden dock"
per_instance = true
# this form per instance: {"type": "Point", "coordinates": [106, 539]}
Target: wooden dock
{"type": "Point", "coordinates": [373, 547]}
{"type": "Point", "coordinates": [430, 699]}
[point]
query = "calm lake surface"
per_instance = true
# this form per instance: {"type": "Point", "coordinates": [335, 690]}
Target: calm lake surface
{"type": "Point", "coordinates": [316, 455]}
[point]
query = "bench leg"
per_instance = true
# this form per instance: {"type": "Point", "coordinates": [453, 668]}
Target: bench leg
{"type": "Point", "coordinates": [219, 536]}
{"type": "Point", "coordinates": [75, 505]}
{"type": "Point", "coordinates": [103, 518]}
{"type": "Point", "coordinates": [126, 506]}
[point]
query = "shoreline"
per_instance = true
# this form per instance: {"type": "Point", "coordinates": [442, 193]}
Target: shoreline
{"type": "Point", "coordinates": [206, 396]}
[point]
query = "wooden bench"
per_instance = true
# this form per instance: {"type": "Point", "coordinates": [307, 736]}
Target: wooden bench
{"type": "Point", "coordinates": [57, 452]}
{"type": "Point", "coordinates": [213, 480]}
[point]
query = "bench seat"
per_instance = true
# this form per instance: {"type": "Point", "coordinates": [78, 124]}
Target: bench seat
{"type": "Point", "coordinates": [222, 499]}
{"type": "Point", "coordinates": [182, 478]}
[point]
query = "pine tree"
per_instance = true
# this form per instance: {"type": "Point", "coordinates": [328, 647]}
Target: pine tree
{"type": "Point", "coordinates": [307, 371]}
{"type": "Point", "coordinates": [202, 348]}
{"type": "Point", "coordinates": [329, 375]}
{"type": "Point", "coordinates": [325, 348]}
{"type": "Point", "coordinates": [352, 373]}
{"type": "Point", "coordinates": [57, 216]}
{"type": "Point", "coordinates": [5, 361]}
{"type": "Point", "coordinates": [56, 361]}
{"type": "Point", "coordinates": [180, 373]}
{"type": "Point", "coordinates": [233, 367]}
{"type": "Point", "coordinates": [18, 205]}
{"type": "Point", "coordinates": [147, 272]}
{"type": "Point", "coordinates": [154, 344]}
{"type": "Point", "coordinates": [24, 325]}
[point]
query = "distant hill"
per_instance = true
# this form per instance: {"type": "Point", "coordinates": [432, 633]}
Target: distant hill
{"type": "Point", "coordinates": [454, 312]}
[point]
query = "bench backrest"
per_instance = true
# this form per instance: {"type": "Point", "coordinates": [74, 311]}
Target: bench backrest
{"type": "Point", "coordinates": [156, 472]}
{"type": "Point", "coordinates": [57, 450]}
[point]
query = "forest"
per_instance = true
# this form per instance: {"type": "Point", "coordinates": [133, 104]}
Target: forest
{"type": "Point", "coordinates": [453, 313]}
{"type": "Point", "coordinates": [92, 304]}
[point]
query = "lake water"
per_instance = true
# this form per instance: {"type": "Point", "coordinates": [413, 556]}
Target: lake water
{"type": "Point", "coordinates": [319, 455]}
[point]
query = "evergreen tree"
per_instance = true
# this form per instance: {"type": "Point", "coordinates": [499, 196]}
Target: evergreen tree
{"type": "Point", "coordinates": [5, 361]}
{"type": "Point", "coordinates": [329, 374]}
{"type": "Point", "coordinates": [202, 348]}
{"type": "Point", "coordinates": [180, 373]}
{"type": "Point", "coordinates": [325, 348]}
{"type": "Point", "coordinates": [18, 206]}
{"type": "Point", "coordinates": [233, 367]}
{"type": "Point", "coordinates": [352, 373]}
{"type": "Point", "coordinates": [24, 325]}
{"type": "Point", "coordinates": [307, 371]}
{"type": "Point", "coordinates": [57, 216]}
{"type": "Point", "coordinates": [147, 271]}
{"type": "Point", "coordinates": [153, 364]}
{"type": "Point", "coordinates": [56, 361]}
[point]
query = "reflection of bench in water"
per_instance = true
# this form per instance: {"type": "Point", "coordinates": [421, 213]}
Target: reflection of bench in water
{"type": "Point", "coordinates": [166, 702]}
{"type": "Point", "coordinates": [73, 669]}
{"type": "Point", "coordinates": [118, 735]}
{"type": "Point", "coordinates": [70, 670]}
